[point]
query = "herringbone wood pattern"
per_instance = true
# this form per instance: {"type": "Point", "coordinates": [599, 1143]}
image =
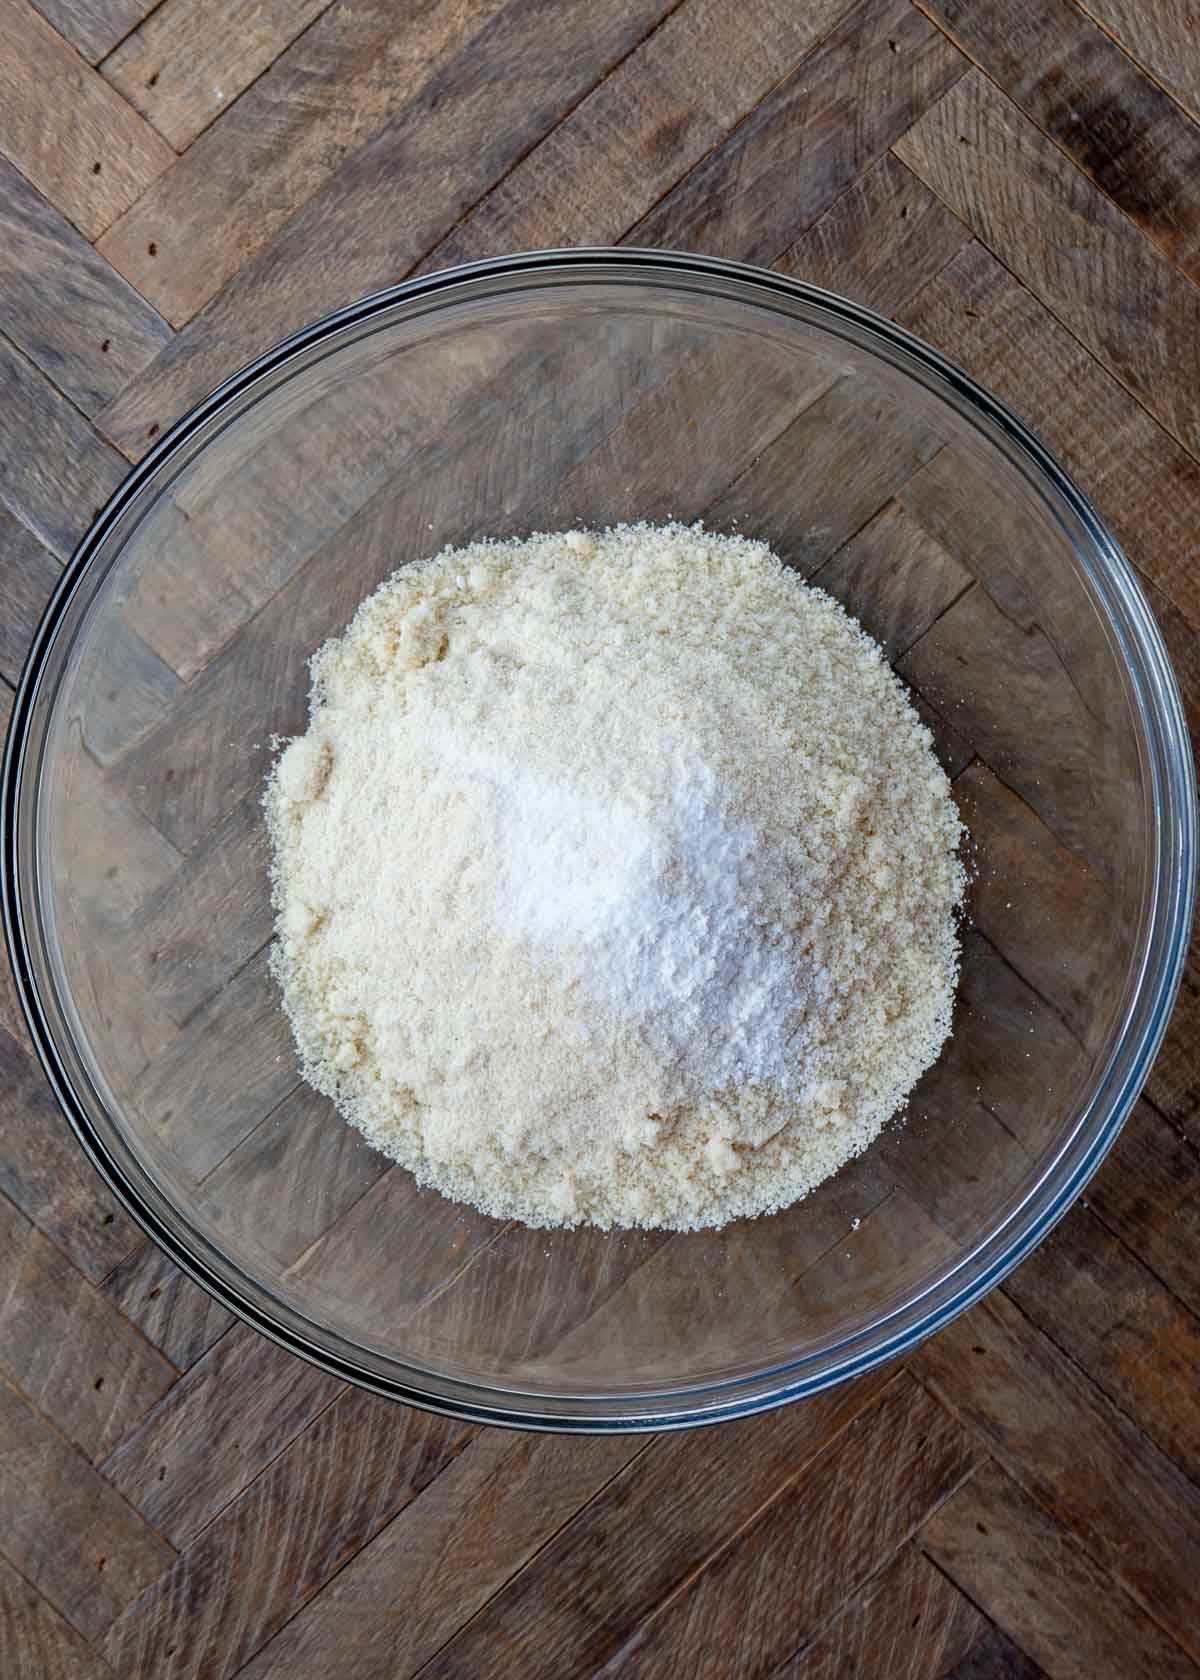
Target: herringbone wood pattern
{"type": "Point", "coordinates": [180, 184]}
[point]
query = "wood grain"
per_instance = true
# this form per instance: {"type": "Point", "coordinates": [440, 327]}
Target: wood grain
{"type": "Point", "coordinates": [81, 324]}
{"type": "Point", "coordinates": [1145, 484]}
{"type": "Point", "coordinates": [1110, 119]}
{"type": "Point", "coordinates": [69, 1533]}
{"type": "Point", "coordinates": [30, 573]}
{"type": "Point", "coordinates": [329, 149]}
{"type": "Point", "coordinates": [1026, 1571]}
{"type": "Point", "coordinates": [572, 1606]}
{"type": "Point", "coordinates": [1149, 1194]}
{"type": "Point", "coordinates": [291, 1179]}
{"type": "Point", "coordinates": [176, 1315]}
{"type": "Point", "coordinates": [236, 1408]}
{"type": "Point", "coordinates": [187, 62]}
{"type": "Point", "coordinates": [1012, 696]}
{"type": "Point", "coordinates": [995, 1657]}
{"type": "Point", "coordinates": [44, 1172]}
{"type": "Point", "coordinates": [1028, 883]}
{"type": "Point", "coordinates": [823, 450]}
{"type": "Point", "coordinates": [839, 110]}
{"type": "Point", "coordinates": [94, 27]}
{"type": "Point", "coordinates": [44, 81]}
{"type": "Point", "coordinates": [207, 919]}
{"type": "Point", "coordinates": [1174, 1083]}
{"type": "Point", "coordinates": [1162, 35]}
{"type": "Point", "coordinates": [908, 1622]}
{"type": "Point", "coordinates": [525, 61]}
{"type": "Point", "coordinates": [911, 1455]}
{"type": "Point", "coordinates": [52, 1317]}
{"type": "Point", "coordinates": [1005, 179]}
{"type": "Point", "coordinates": [297, 1525]}
{"type": "Point", "coordinates": [895, 579]}
{"type": "Point", "coordinates": [235, 1075]}
{"type": "Point", "coordinates": [885, 238]}
{"type": "Point", "coordinates": [55, 471]}
{"type": "Point", "coordinates": [1136, 1514]}
{"type": "Point", "coordinates": [1116, 1320]}
{"type": "Point", "coordinates": [37, 1639]}
{"type": "Point", "coordinates": [658, 113]}
{"type": "Point", "coordinates": [280, 143]}
{"type": "Point", "coordinates": [444, 1557]}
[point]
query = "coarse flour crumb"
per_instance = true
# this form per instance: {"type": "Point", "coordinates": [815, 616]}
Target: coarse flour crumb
{"type": "Point", "coordinates": [615, 879]}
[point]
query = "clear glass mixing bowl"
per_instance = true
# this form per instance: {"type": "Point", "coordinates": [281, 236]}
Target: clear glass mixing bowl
{"type": "Point", "coordinates": [539, 392]}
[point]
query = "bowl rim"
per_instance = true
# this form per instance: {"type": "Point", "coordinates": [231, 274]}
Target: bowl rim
{"type": "Point", "coordinates": [1170, 769]}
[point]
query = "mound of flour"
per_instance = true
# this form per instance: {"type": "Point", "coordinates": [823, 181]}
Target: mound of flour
{"type": "Point", "coordinates": [615, 879]}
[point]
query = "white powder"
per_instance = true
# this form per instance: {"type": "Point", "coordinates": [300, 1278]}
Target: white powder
{"type": "Point", "coordinates": [615, 879]}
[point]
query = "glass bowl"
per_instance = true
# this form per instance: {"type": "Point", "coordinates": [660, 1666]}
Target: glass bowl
{"type": "Point", "coordinates": [538, 392]}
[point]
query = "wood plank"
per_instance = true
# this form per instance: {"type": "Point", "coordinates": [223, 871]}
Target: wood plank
{"type": "Point", "coordinates": [94, 27]}
{"type": "Point", "coordinates": [69, 1533]}
{"type": "Point", "coordinates": [291, 1179]}
{"type": "Point", "coordinates": [396, 1248]}
{"type": "Point", "coordinates": [1174, 1082]}
{"type": "Point", "coordinates": [30, 573]}
{"type": "Point", "coordinates": [517, 1302]}
{"type": "Point", "coordinates": [1144, 484]}
{"type": "Point", "coordinates": [1162, 35]}
{"type": "Point", "coordinates": [238, 526]}
{"type": "Point", "coordinates": [858, 91]}
{"type": "Point", "coordinates": [129, 688]}
{"type": "Point", "coordinates": [234, 1411]}
{"type": "Point", "coordinates": [1041, 906]}
{"type": "Point", "coordinates": [207, 919]}
{"type": "Point", "coordinates": [895, 579]}
{"type": "Point", "coordinates": [55, 471]}
{"type": "Point", "coordinates": [995, 1657]}
{"type": "Point", "coordinates": [210, 1086]}
{"type": "Point", "coordinates": [59, 119]}
{"type": "Point", "coordinates": [570, 398]}
{"type": "Point", "coordinates": [571, 1606]}
{"type": "Point", "coordinates": [830, 472]}
{"type": "Point", "coordinates": [1027, 1573]}
{"type": "Point", "coordinates": [657, 459]}
{"type": "Point", "coordinates": [65, 308]}
{"type": "Point", "coordinates": [66, 1347]}
{"type": "Point", "coordinates": [172, 1312]}
{"type": "Point", "coordinates": [1008, 183]}
{"type": "Point", "coordinates": [456, 113]}
{"type": "Point", "coordinates": [42, 1645]}
{"type": "Point", "coordinates": [428, 1572]}
{"type": "Point", "coordinates": [881, 241]}
{"type": "Point", "coordinates": [659, 112]}
{"type": "Point", "coordinates": [1114, 122]}
{"type": "Point", "coordinates": [908, 1623]}
{"type": "Point", "coordinates": [681, 1307]}
{"type": "Point", "coordinates": [187, 63]}
{"type": "Point", "coordinates": [1136, 1515]}
{"type": "Point", "coordinates": [1108, 1311]}
{"type": "Point", "coordinates": [46, 1174]}
{"type": "Point", "coordinates": [1013, 697]}
{"type": "Point", "coordinates": [324, 98]}
{"type": "Point", "coordinates": [748, 1607]}
{"type": "Point", "coordinates": [1148, 1192]}
{"type": "Point", "coordinates": [992, 1105]}
{"type": "Point", "coordinates": [300, 1522]}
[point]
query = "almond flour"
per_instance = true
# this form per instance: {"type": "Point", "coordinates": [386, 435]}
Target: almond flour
{"type": "Point", "coordinates": [615, 879]}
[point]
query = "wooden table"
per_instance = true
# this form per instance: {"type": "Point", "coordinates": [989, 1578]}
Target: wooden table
{"type": "Point", "coordinates": [1019, 182]}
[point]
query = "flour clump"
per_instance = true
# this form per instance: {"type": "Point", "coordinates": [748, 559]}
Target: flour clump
{"type": "Point", "coordinates": [615, 879]}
